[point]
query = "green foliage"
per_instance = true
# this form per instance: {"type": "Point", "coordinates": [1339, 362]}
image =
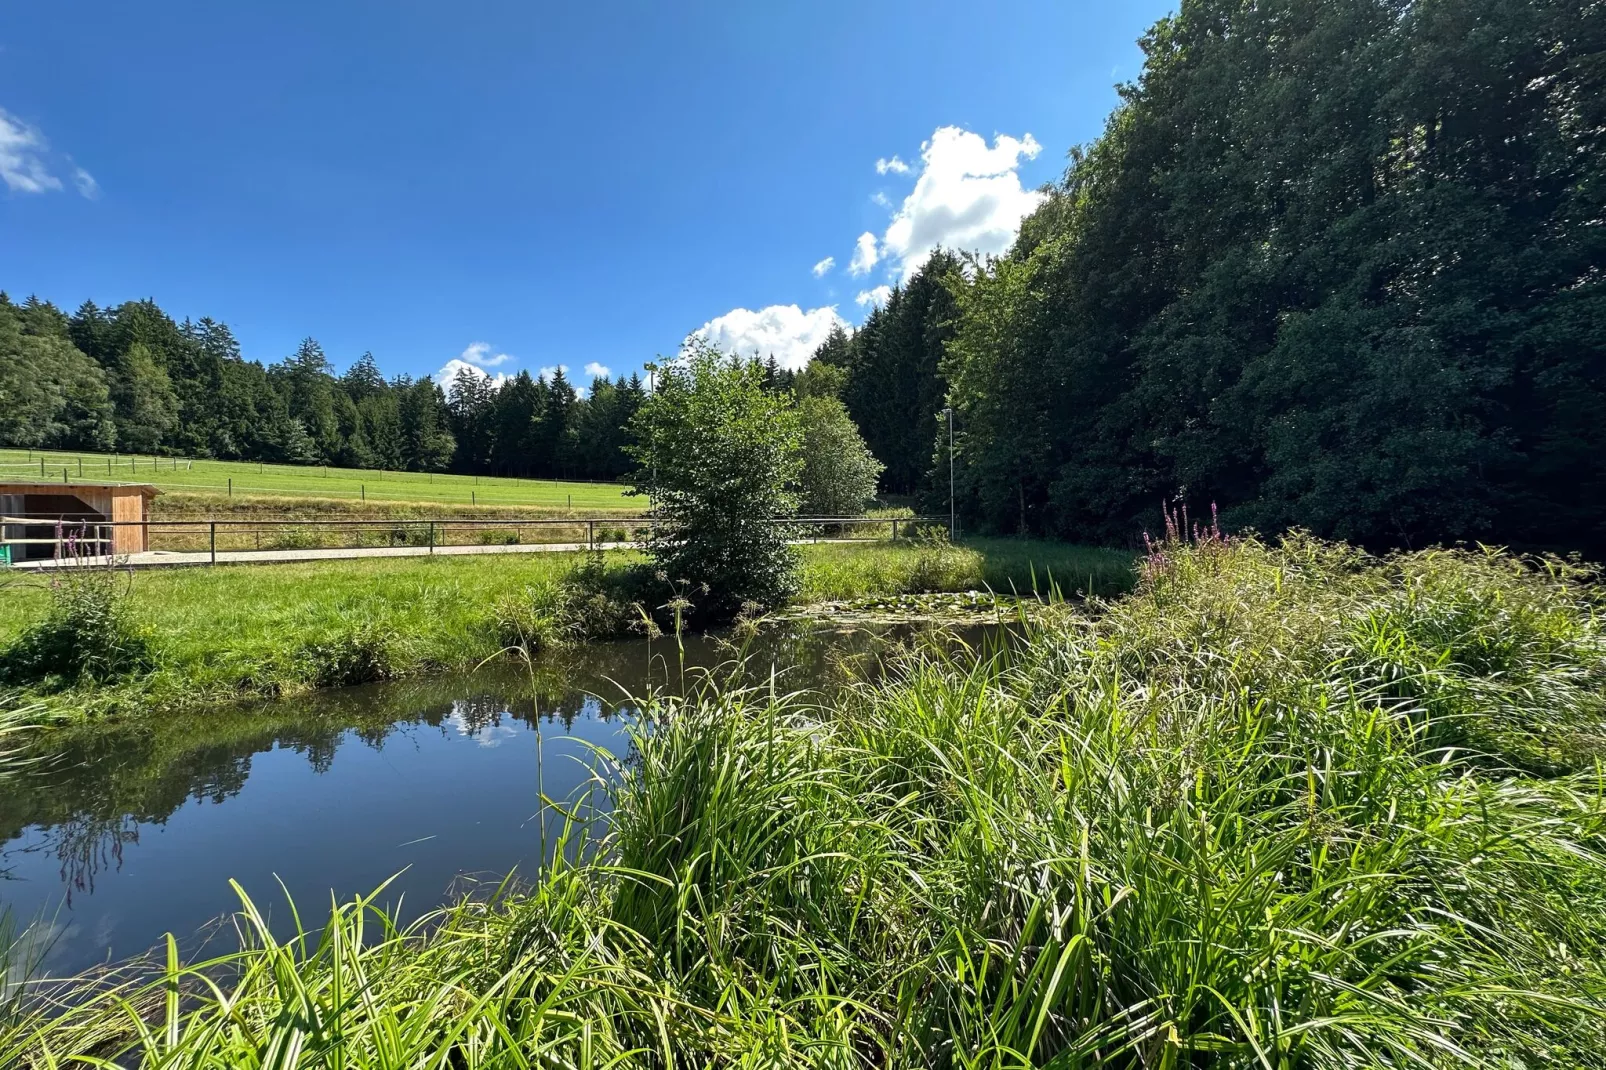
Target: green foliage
{"type": "Point", "coordinates": [147, 407]}
{"type": "Point", "coordinates": [839, 471]}
{"type": "Point", "coordinates": [87, 635]}
{"type": "Point", "coordinates": [1336, 265]}
{"type": "Point", "coordinates": [132, 378]}
{"type": "Point", "coordinates": [1197, 827]}
{"type": "Point", "coordinates": [893, 384]}
{"type": "Point", "coordinates": [51, 395]}
{"type": "Point", "coordinates": [719, 456]}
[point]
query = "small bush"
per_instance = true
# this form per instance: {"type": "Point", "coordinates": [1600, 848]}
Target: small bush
{"type": "Point", "coordinates": [86, 634]}
{"type": "Point", "coordinates": [939, 565]}
{"type": "Point", "coordinates": [364, 655]}
{"type": "Point", "coordinates": [592, 602]}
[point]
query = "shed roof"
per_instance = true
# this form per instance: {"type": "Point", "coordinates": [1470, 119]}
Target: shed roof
{"type": "Point", "coordinates": [115, 489]}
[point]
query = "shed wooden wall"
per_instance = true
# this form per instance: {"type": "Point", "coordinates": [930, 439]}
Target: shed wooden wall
{"type": "Point", "coordinates": [129, 540]}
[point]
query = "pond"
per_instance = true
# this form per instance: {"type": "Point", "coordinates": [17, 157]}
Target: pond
{"type": "Point", "coordinates": [133, 830]}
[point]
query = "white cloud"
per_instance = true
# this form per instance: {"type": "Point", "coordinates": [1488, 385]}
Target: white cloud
{"type": "Point", "coordinates": [968, 197]}
{"type": "Point", "coordinates": [865, 255]}
{"type": "Point", "coordinates": [895, 165]}
{"type": "Point", "coordinates": [597, 371]}
{"type": "Point", "coordinates": [823, 266]}
{"type": "Point", "coordinates": [479, 353]}
{"type": "Point", "coordinates": [876, 297]}
{"type": "Point", "coordinates": [448, 374]}
{"type": "Point", "coordinates": [551, 370]}
{"type": "Point", "coordinates": [22, 157]}
{"type": "Point", "coordinates": [881, 199]}
{"type": "Point", "coordinates": [785, 331]}
{"type": "Point", "coordinates": [87, 186]}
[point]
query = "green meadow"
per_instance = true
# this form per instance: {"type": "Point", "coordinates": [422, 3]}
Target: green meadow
{"type": "Point", "coordinates": [246, 480]}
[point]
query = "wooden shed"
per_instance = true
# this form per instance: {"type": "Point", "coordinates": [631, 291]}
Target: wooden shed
{"type": "Point", "coordinates": [34, 515]}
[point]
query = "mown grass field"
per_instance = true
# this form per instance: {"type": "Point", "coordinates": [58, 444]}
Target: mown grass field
{"type": "Point", "coordinates": [212, 479]}
{"type": "Point", "coordinates": [1283, 807]}
{"type": "Point", "coordinates": [274, 629]}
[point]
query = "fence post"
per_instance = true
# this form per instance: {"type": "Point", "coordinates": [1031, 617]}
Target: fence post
{"type": "Point", "coordinates": [41, 468]}
{"type": "Point", "coordinates": [591, 534]}
{"type": "Point", "coordinates": [432, 536]}
{"type": "Point", "coordinates": [231, 486]}
{"type": "Point", "coordinates": [212, 538]}
{"type": "Point", "coordinates": [894, 529]}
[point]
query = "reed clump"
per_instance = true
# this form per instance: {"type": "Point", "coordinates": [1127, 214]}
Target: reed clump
{"type": "Point", "coordinates": [1286, 805]}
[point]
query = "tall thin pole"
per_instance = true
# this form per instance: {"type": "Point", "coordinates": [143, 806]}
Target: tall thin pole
{"type": "Point", "coordinates": [652, 389]}
{"type": "Point", "coordinates": [953, 513]}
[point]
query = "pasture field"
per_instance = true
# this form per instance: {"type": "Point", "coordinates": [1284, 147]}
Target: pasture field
{"type": "Point", "coordinates": [212, 479]}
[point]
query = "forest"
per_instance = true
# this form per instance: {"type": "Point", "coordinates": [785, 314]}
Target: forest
{"type": "Point", "coordinates": [1337, 265]}
{"type": "Point", "coordinates": [132, 379]}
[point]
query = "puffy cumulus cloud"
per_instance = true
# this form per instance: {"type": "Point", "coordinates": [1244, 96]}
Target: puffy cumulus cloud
{"type": "Point", "coordinates": [865, 255]}
{"type": "Point", "coordinates": [873, 298]}
{"type": "Point", "coordinates": [22, 157]}
{"type": "Point", "coordinates": [447, 375]}
{"type": "Point", "coordinates": [479, 353]}
{"type": "Point", "coordinates": [968, 196]}
{"type": "Point", "coordinates": [786, 331]}
{"type": "Point", "coordinates": [894, 165]}
{"type": "Point", "coordinates": [823, 266]}
{"type": "Point", "coordinates": [597, 371]}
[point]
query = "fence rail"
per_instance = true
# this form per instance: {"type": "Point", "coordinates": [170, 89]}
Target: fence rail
{"type": "Point", "coordinates": [239, 537]}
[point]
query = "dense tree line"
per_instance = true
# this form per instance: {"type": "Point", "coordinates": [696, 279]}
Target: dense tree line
{"type": "Point", "coordinates": [132, 379]}
{"type": "Point", "coordinates": [1338, 264]}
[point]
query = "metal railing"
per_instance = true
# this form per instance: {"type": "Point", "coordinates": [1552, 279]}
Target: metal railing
{"type": "Point", "coordinates": [243, 539]}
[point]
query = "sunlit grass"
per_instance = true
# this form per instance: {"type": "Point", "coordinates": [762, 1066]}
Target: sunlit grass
{"type": "Point", "coordinates": [244, 630]}
{"type": "Point", "coordinates": [313, 481]}
{"type": "Point", "coordinates": [1284, 807]}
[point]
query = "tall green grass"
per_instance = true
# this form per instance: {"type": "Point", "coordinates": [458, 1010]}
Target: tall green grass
{"type": "Point", "coordinates": [1283, 807]}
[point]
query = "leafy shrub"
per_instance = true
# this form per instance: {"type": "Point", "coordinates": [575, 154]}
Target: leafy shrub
{"type": "Point", "coordinates": [939, 565]}
{"type": "Point", "coordinates": [366, 654]}
{"type": "Point", "coordinates": [594, 601]}
{"type": "Point", "coordinates": [86, 634]}
{"type": "Point", "coordinates": [720, 456]}
{"type": "Point", "coordinates": [839, 472]}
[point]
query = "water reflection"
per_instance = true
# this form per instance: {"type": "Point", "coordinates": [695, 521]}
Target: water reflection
{"type": "Point", "coordinates": [134, 829]}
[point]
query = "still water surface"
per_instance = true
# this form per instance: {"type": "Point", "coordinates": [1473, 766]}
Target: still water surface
{"type": "Point", "coordinates": [134, 831]}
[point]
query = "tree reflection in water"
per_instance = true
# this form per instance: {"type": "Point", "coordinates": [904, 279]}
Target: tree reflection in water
{"type": "Point", "coordinates": [104, 782]}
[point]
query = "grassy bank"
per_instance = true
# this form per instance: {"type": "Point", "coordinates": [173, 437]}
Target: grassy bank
{"type": "Point", "coordinates": [1283, 807]}
{"type": "Point", "coordinates": [277, 629]}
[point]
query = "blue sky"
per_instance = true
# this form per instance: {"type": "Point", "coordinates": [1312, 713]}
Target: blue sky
{"type": "Point", "coordinates": [530, 185]}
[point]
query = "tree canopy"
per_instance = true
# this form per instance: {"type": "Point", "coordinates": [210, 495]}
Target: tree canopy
{"type": "Point", "coordinates": [1336, 264]}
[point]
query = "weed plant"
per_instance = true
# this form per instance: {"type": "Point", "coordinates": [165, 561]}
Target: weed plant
{"type": "Point", "coordinates": [1286, 806]}
{"type": "Point", "coordinates": [87, 634]}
